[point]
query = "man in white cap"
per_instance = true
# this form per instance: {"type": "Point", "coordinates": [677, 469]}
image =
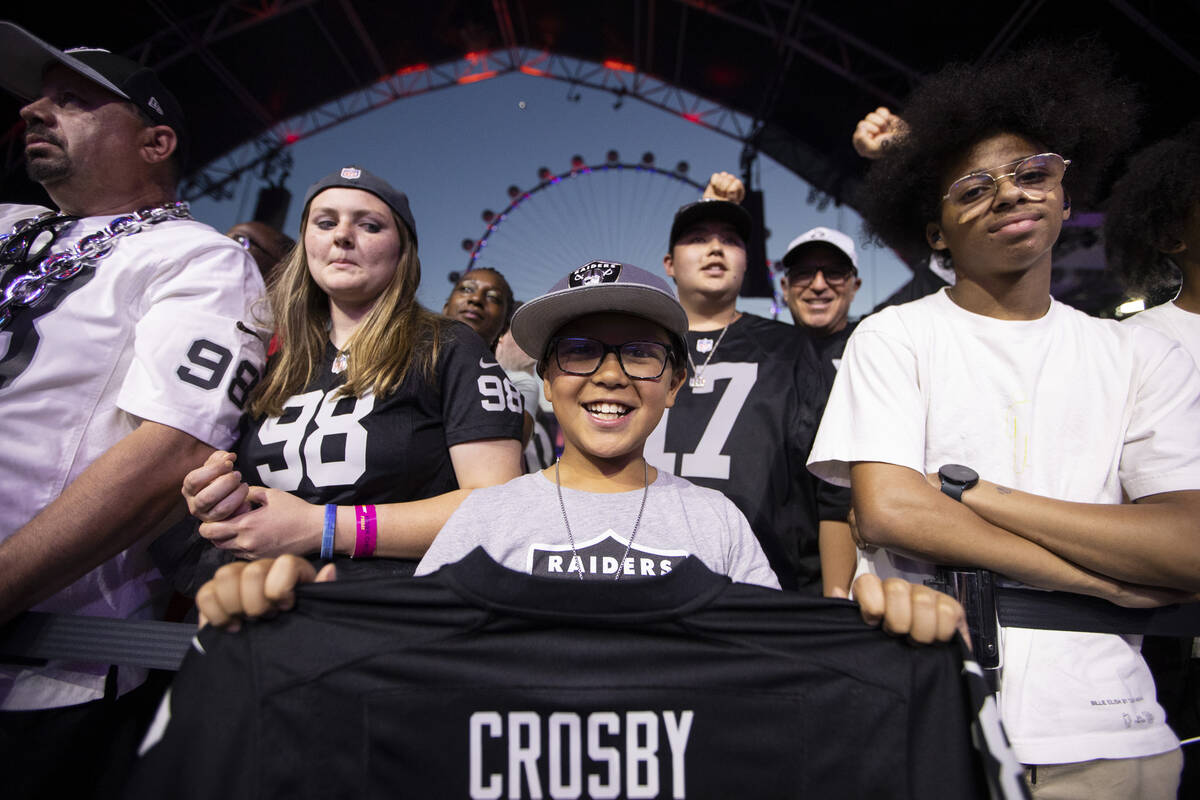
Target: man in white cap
{"type": "Point", "coordinates": [820, 284]}
{"type": "Point", "coordinates": [127, 349]}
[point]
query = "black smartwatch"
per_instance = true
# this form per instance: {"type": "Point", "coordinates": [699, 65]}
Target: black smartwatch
{"type": "Point", "coordinates": [956, 479]}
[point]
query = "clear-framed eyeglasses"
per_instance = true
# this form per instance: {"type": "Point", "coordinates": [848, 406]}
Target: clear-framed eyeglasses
{"type": "Point", "coordinates": [1035, 176]}
{"type": "Point", "coordinates": [579, 355]}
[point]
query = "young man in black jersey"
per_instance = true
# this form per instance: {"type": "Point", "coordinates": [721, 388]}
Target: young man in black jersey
{"type": "Point", "coordinates": [745, 419]}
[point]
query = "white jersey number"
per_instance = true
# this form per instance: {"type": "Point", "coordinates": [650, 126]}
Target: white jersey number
{"type": "Point", "coordinates": [498, 394]}
{"type": "Point", "coordinates": [707, 461]}
{"type": "Point", "coordinates": [303, 454]}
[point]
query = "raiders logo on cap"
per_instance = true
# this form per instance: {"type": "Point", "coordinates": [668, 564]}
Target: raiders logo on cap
{"type": "Point", "coordinates": [351, 173]}
{"type": "Point", "coordinates": [595, 272]}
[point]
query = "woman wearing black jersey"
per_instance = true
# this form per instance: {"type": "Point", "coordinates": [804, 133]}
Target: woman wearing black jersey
{"type": "Point", "coordinates": [369, 399]}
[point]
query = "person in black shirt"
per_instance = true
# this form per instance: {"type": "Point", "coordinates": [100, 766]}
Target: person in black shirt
{"type": "Point", "coordinates": [369, 399]}
{"type": "Point", "coordinates": [820, 283]}
{"type": "Point", "coordinates": [745, 419]}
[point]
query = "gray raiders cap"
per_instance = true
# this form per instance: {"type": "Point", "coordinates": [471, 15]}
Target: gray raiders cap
{"type": "Point", "coordinates": [597, 287]}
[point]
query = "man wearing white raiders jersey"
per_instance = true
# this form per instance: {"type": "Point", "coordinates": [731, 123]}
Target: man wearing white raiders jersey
{"type": "Point", "coordinates": [123, 362]}
{"type": "Point", "coordinates": [745, 420]}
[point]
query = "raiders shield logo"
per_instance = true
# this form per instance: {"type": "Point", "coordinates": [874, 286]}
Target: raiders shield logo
{"type": "Point", "coordinates": [594, 273]}
{"type": "Point", "coordinates": [601, 558]}
{"type": "Point", "coordinates": [351, 173]}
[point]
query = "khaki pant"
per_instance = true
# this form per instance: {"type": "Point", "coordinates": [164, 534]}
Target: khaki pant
{"type": "Point", "coordinates": [1147, 778]}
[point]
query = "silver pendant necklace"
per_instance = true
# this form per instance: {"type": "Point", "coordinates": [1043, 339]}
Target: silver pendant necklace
{"type": "Point", "coordinates": [697, 379]}
{"type": "Point", "coordinates": [340, 362]}
{"type": "Point", "coordinates": [636, 523]}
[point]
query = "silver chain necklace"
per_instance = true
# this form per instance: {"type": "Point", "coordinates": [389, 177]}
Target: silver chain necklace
{"type": "Point", "coordinates": [26, 290]}
{"type": "Point", "coordinates": [697, 380]}
{"type": "Point", "coordinates": [637, 523]}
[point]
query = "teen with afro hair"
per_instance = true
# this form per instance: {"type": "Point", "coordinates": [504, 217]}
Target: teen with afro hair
{"type": "Point", "coordinates": [1152, 234]}
{"type": "Point", "coordinates": [1040, 418]}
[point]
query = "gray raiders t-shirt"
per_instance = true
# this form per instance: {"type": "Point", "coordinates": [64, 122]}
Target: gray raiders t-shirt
{"type": "Point", "coordinates": [520, 525]}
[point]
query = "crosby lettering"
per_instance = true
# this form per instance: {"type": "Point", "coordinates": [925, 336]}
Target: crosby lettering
{"type": "Point", "coordinates": [603, 754]}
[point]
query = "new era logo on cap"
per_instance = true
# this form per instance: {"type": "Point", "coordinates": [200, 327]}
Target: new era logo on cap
{"type": "Point", "coordinates": [153, 103]}
{"type": "Point", "coordinates": [595, 272]}
{"type": "Point", "coordinates": [351, 173]}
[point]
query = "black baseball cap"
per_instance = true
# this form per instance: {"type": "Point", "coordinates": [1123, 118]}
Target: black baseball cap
{"type": "Point", "coordinates": [24, 59]}
{"type": "Point", "coordinates": [711, 209]}
{"type": "Point", "coordinates": [598, 287]}
{"type": "Point", "coordinates": [354, 177]}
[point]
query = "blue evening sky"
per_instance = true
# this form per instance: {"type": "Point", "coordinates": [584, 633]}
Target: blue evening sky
{"type": "Point", "coordinates": [455, 151]}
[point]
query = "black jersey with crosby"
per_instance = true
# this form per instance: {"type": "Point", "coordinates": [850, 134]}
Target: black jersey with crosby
{"type": "Point", "coordinates": [481, 682]}
{"type": "Point", "coordinates": [747, 432]}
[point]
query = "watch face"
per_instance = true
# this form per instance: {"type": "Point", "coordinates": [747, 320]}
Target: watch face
{"type": "Point", "coordinates": [957, 473]}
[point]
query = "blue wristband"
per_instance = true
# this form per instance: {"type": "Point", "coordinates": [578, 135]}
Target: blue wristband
{"type": "Point", "coordinates": [327, 534]}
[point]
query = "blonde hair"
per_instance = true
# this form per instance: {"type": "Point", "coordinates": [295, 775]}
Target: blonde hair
{"type": "Point", "coordinates": [397, 335]}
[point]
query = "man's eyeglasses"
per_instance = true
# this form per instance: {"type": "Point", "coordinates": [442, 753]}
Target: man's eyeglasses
{"type": "Point", "coordinates": [1036, 176]}
{"type": "Point", "coordinates": [579, 355]}
{"type": "Point", "coordinates": [835, 274]}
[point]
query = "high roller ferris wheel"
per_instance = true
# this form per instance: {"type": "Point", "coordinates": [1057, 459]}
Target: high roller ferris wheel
{"type": "Point", "coordinates": [613, 211]}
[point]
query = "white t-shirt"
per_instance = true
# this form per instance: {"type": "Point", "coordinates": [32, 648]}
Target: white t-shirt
{"type": "Point", "coordinates": [1066, 406]}
{"type": "Point", "coordinates": [520, 525]}
{"type": "Point", "coordinates": [151, 332]}
{"type": "Point", "coordinates": [1174, 323]}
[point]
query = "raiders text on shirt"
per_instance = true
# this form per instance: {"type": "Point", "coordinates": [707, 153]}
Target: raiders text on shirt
{"type": "Point", "coordinates": [602, 557]}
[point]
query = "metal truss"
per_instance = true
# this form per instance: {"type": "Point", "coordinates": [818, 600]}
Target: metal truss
{"type": "Point", "coordinates": [802, 31]}
{"type": "Point", "coordinates": [217, 178]}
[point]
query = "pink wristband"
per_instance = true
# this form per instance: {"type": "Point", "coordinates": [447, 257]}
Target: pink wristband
{"type": "Point", "coordinates": [364, 531]}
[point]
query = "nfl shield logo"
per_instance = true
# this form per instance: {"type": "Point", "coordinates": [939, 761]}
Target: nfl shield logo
{"type": "Point", "coordinates": [351, 173]}
{"type": "Point", "coordinates": [704, 345]}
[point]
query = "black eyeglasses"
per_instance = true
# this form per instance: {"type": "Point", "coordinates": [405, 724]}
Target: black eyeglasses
{"type": "Point", "coordinates": [835, 274]}
{"type": "Point", "coordinates": [579, 355]}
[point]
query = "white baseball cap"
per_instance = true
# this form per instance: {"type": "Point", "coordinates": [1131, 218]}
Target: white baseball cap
{"type": "Point", "coordinates": [826, 236]}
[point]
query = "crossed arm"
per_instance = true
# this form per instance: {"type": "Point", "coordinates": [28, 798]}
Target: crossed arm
{"type": "Point", "coordinates": [124, 495]}
{"type": "Point", "coordinates": [1118, 552]}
